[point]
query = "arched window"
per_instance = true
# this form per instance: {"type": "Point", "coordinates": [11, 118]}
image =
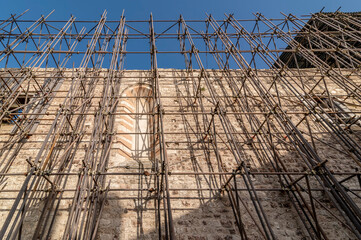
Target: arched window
{"type": "Point", "coordinates": [135, 126]}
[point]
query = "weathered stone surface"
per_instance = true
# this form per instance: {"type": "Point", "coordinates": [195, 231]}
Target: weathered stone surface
{"type": "Point", "coordinates": [198, 214]}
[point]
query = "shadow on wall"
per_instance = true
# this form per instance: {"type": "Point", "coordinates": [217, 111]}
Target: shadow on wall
{"type": "Point", "coordinates": [110, 225]}
{"type": "Point", "coordinates": [214, 219]}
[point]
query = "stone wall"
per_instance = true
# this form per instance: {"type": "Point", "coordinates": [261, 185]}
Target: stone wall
{"type": "Point", "coordinates": [201, 210]}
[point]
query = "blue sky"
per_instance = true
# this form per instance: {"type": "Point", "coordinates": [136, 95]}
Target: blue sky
{"type": "Point", "coordinates": [171, 9]}
{"type": "Point", "coordinates": [166, 10]}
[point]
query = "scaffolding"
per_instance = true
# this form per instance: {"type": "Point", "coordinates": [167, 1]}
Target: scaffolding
{"type": "Point", "coordinates": [259, 109]}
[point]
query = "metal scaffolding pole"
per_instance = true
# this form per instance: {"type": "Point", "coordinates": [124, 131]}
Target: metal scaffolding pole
{"type": "Point", "coordinates": [260, 115]}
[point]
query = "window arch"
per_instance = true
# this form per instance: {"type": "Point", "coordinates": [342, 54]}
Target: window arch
{"type": "Point", "coordinates": [136, 124]}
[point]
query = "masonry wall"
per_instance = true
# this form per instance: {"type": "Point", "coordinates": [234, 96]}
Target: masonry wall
{"type": "Point", "coordinates": [200, 206]}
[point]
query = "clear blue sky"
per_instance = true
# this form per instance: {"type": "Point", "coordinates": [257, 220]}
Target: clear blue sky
{"type": "Point", "coordinates": [170, 9]}
{"type": "Point", "coordinates": [166, 10]}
